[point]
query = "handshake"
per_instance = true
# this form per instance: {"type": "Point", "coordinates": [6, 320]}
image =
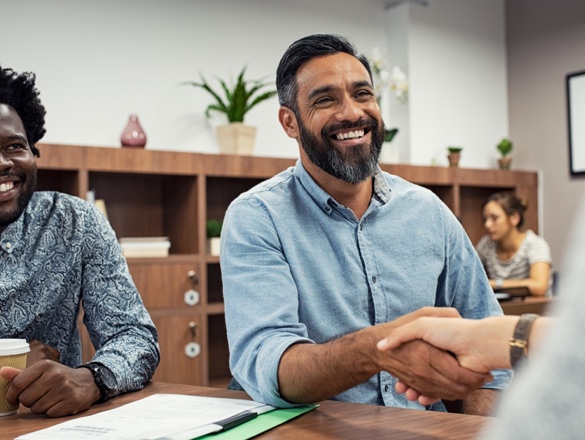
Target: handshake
{"type": "Point", "coordinates": [436, 354]}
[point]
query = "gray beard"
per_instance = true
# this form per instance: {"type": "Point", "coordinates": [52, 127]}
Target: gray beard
{"type": "Point", "coordinates": [357, 165]}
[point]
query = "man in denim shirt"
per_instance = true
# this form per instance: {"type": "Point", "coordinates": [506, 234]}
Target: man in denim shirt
{"type": "Point", "coordinates": [320, 262]}
{"type": "Point", "coordinates": [57, 252]}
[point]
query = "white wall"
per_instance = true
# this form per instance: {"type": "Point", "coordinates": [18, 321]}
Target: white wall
{"type": "Point", "coordinates": [97, 62]}
{"type": "Point", "coordinates": [545, 43]}
{"type": "Point", "coordinates": [456, 57]}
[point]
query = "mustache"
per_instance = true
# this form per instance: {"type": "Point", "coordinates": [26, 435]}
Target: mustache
{"type": "Point", "coordinates": [8, 173]}
{"type": "Point", "coordinates": [348, 125]}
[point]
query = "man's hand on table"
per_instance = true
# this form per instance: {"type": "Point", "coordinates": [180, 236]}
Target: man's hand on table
{"type": "Point", "coordinates": [50, 388]}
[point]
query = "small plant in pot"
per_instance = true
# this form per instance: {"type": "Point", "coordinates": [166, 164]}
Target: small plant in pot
{"type": "Point", "coordinates": [505, 148]}
{"type": "Point", "coordinates": [454, 155]}
{"type": "Point", "coordinates": [213, 228]}
{"type": "Point", "coordinates": [237, 100]}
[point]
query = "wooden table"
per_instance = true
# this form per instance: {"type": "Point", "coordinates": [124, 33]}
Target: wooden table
{"type": "Point", "coordinates": [530, 304]}
{"type": "Point", "coordinates": [331, 420]}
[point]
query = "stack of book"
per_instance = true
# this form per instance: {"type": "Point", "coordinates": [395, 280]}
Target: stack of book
{"type": "Point", "coordinates": [145, 246]}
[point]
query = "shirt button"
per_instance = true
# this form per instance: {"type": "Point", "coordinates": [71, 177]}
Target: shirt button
{"type": "Point", "coordinates": [374, 279]}
{"type": "Point", "coordinates": [386, 387]}
{"type": "Point", "coordinates": [8, 245]}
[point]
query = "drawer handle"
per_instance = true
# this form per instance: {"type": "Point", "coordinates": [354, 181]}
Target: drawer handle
{"type": "Point", "coordinates": [193, 329]}
{"type": "Point", "coordinates": [192, 275]}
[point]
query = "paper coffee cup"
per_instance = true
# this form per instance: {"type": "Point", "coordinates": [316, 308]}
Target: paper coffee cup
{"type": "Point", "coordinates": [12, 354]}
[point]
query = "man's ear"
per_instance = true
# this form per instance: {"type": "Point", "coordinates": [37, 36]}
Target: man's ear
{"type": "Point", "coordinates": [288, 120]}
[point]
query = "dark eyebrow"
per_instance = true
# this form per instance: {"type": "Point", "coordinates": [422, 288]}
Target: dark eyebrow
{"type": "Point", "coordinates": [319, 91]}
{"type": "Point", "coordinates": [326, 89]}
{"type": "Point", "coordinates": [17, 137]}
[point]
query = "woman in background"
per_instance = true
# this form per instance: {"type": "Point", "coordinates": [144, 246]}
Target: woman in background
{"type": "Point", "coordinates": [513, 257]}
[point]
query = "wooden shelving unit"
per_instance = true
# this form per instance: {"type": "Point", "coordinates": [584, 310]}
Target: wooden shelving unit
{"type": "Point", "coordinates": [164, 193]}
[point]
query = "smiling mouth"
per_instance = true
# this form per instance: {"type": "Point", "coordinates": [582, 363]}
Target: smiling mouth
{"type": "Point", "coordinates": [355, 134]}
{"type": "Point", "coordinates": [4, 187]}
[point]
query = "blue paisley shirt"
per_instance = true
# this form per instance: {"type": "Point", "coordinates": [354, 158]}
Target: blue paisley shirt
{"type": "Point", "coordinates": [62, 254]}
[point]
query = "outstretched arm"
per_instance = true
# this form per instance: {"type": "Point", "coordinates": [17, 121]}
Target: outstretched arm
{"type": "Point", "coordinates": [313, 372]}
{"type": "Point", "coordinates": [480, 345]}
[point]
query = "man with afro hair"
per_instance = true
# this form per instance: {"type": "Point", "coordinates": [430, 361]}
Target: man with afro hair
{"type": "Point", "coordinates": [55, 251]}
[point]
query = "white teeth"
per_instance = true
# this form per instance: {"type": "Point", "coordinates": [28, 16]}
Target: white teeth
{"type": "Point", "coordinates": [6, 186]}
{"type": "Point", "coordinates": [350, 135]}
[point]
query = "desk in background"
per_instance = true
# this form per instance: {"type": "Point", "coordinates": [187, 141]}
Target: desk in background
{"type": "Point", "coordinates": [530, 304]}
{"type": "Point", "coordinates": [331, 420]}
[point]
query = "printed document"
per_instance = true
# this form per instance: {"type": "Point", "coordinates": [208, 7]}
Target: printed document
{"type": "Point", "coordinates": [160, 416]}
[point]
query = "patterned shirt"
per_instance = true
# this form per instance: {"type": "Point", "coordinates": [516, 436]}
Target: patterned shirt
{"type": "Point", "coordinates": [299, 267]}
{"type": "Point", "coordinates": [533, 249]}
{"type": "Point", "coordinates": [62, 254]}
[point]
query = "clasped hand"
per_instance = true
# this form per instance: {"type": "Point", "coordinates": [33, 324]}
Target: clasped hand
{"type": "Point", "coordinates": [432, 364]}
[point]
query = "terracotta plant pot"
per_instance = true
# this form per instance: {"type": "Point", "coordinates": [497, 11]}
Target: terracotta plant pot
{"type": "Point", "coordinates": [505, 162]}
{"type": "Point", "coordinates": [454, 159]}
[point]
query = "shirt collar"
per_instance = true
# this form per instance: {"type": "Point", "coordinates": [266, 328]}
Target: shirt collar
{"type": "Point", "coordinates": [325, 201]}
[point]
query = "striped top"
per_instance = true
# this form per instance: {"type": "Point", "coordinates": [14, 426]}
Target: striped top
{"type": "Point", "coordinates": [533, 249]}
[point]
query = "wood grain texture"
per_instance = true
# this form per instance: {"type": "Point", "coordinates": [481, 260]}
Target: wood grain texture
{"type": "Point", "coordinates": [331, 420]}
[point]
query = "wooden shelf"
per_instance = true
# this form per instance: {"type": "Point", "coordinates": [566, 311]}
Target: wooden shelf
{"type": "Point", "coordinates": [165, 193]}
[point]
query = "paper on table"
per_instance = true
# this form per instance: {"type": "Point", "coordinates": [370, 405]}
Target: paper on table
{"type": "Point", "coordinates": [160, 416]}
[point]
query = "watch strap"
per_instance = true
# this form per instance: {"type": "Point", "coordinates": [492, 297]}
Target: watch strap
{"type": "Point", "coordinates": [519, 341]}
{"type": "Point", "coordinates": [105, 391]}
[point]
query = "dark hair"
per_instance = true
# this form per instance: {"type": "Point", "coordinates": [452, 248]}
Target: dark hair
{"type": "Point", "coordinates": [19, 92]}
{"type": "Point", "coordinates": [510, 203]}
{"type": "Point", "coordinates": [304, 50]}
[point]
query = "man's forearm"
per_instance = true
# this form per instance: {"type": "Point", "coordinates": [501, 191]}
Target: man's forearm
{"type": "Point", "coordinates": [481, 402]}
{"type": "Point", "coordinates": [310, 373]}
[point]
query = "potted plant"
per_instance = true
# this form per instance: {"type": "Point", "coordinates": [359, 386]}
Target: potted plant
{"type": "Point", "coordinates": [454, 155]}
{"type": "Point", "coordinates": [237, 100]}
{"type": "Point", "coordinates": [388, 154]}
{"type": "Point", "coordinates": [505, 148]}
{"type": "Point", "coordinates": [213, 228]}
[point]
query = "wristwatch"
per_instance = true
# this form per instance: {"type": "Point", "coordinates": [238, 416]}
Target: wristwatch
{"type": "Point", "coordinates": [104, 379]}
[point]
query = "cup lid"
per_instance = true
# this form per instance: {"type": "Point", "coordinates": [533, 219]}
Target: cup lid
{"type": "Point", "coordinates": [13, 346]}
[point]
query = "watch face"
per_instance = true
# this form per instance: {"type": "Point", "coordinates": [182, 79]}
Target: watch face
{"type": "Point", "coordinates": [107, 378]}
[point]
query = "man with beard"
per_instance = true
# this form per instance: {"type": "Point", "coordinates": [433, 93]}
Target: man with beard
{"type": "Point", "coordinates": [323, 260]}
{"type": "Point", "coordinates": [57, 251]}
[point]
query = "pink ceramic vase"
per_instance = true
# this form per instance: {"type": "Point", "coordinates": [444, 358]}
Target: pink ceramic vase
{"type": "Point", "coordinates": [133, 134]}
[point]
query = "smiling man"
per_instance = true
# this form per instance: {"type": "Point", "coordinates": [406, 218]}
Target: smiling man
{"type": "Point", "coordinates": [321, 261]}
{"type": "Point", "coordinates": [58, 253]}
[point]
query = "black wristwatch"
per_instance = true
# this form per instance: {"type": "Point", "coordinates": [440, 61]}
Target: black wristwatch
{"type": "Point", "coordinates": [104, 379]}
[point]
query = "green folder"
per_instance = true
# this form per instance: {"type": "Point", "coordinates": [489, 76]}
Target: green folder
{"type": "Point", "coordinates": [260, 424]}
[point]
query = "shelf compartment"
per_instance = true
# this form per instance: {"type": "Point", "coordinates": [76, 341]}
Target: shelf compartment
{"type": "Point", "coordinates": [147, 205]}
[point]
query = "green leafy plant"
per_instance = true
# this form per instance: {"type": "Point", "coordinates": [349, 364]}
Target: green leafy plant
{"type": "Point", "coordinates": [454, 149]}
{"type": "Point", "coordinates": [505, 147]}
{"type": "Point", "coordinates": [213, 227]}
{"type": "Point", "coordinates": [389, 134]}
{"type": "Point", "coordinates": [238, 99]}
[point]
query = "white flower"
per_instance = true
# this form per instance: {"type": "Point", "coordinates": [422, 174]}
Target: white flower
{"type": "Point", "coordinates": [399, 84]}
{"type": "Point", "coordinates": [396, 80]}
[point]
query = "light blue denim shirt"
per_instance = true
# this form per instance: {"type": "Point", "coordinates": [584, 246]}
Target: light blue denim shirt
{"type": "Point", "coordinates": [299, 267]}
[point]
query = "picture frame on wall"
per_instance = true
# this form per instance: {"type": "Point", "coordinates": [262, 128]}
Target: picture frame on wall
{"type": "Point", "coordinates": [575, 83]}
